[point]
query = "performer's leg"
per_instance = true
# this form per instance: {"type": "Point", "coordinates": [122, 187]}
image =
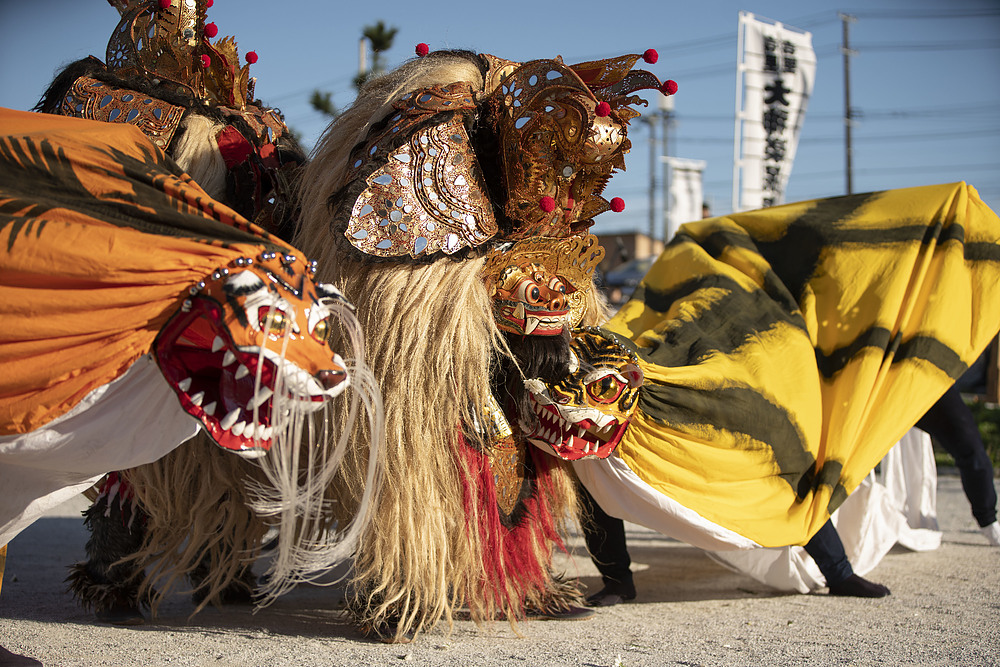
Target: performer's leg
{"type": "Point", "coordinates": [827, 550]}
{"type": "Point", "coordinates": [111, 589]}
{"type": "Point", "coordinates": [951, 423]}
{"type": "Point", "coordinates": [605, 538]}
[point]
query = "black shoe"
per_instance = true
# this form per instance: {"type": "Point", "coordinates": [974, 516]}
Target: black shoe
{"type": "Point", "coordinates": [858, 587]}
{"type": "Point", "coordinates": [612, 594]}
{"type": "Point", "coordinates": [571, 613]}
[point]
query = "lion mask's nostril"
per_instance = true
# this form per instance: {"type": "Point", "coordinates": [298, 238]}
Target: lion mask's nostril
{"type": "Point", "coordinates": [330, 379]}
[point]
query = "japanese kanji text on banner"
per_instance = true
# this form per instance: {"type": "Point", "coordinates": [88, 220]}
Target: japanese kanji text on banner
{"type": "Point", "coordinates": [775, 75]}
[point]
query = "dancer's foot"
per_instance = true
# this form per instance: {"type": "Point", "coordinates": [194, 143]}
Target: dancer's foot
{"type": "Point", "coordinates": [612, 594]}
{"type": "Point", "coordinates": [992, 533]}
{"type": "Point", "coordinates": [859, 587]}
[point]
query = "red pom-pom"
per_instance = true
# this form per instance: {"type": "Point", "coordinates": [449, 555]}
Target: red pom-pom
{"type": "Point", "coordinates": [617, 204]}
{"type": "Point", "coordinates": [547, 203]}
{"type": "Point", "coordinates": [669, 87]}
{"type": "Point", "coordinates": [650, 56]}
{"type": "Point", "coordinates": [602, 109]}
{"type": "Point", "coordinates": [209, 3]}
{"type": "Point", "coordinates": [422, 49]}
{"type": "Point", "coordinates": [211, 30]}
{"type": "Point", "coordinates": [164, 4]}
{"type": "Point", "coordinates": [251, 57]}
{"type": "Point", "coordinates": [206, 61]}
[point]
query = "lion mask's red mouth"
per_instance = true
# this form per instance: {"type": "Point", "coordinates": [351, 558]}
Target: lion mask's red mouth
{"type": "Point", "coordinates": [575, 440]}
{"type": "Point", "coordinates": [230, 389]}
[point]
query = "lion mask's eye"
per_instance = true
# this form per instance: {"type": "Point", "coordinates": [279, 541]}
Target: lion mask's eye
{"type": "Point", "coordinates": [272, 321]}
{"type": "Point", "coordinates": [606, 389]}
{"type": "Point", "coordinates": [320, 321]}
{"type": "Point", "coordinates": [527, 291]}
{"type": "Point", "coordinates": [321, 331]}
{"type": "Point", "coordinates": [557, 285]}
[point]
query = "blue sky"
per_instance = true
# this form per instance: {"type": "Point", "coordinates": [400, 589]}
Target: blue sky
{"type": "Point", "coordinates": [925, 80]}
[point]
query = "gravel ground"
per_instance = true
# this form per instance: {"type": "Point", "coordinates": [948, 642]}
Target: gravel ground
{"type": "Point", "coordinates": [944, 610]}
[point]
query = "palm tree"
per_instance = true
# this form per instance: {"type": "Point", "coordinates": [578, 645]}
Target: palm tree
{"type": "Point", "coordinates": [380, 37]}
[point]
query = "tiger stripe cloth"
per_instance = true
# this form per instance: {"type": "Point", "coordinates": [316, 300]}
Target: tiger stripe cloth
{"type": "Point", "coordinates": [787, 349]}
{"type": "Point", "coordinates": [101, 236]}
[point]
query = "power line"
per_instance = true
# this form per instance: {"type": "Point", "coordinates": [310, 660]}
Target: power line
{"type": "Point", "coordinates": [864, 114]}
{"type": "Point", "coordinates": [926, 14]}
{"type": "Point", "coordinates": [923, 136]}
{"type": "Point", "coordinates": [967, 45]}
{"type": "Point", "coordinates": [728, 39]}
{"type": "Point", "coordinates": [306, 91]}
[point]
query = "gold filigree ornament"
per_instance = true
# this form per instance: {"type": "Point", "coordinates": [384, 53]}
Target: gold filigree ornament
{"type": "Point", "coordinates": [423, 189]}
{"type": "Point", "coordinates": [551, 133]}
{"type": "Point", "coordinates": [540, 285]}
{"type": "Point", "coordinates": [97, 100]}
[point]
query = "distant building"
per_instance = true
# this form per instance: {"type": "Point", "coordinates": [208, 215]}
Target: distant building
{"type": "Point", "coordinates": [627, 257]}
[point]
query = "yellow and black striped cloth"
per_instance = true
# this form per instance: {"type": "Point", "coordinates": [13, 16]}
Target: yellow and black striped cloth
{"type": "Point", "coordinates": [787, 349]}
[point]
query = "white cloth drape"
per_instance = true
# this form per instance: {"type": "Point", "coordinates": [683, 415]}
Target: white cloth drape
{"type": "Point", "coordinates": [895, 506]}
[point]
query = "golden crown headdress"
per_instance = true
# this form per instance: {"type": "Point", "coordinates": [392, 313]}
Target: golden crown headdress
{"type": "Point", "coordinates": [550, 135]}
{"type": "Point", "coordinates": [168, 41]}
{"type": "Point", "coordinates": [562, 133]}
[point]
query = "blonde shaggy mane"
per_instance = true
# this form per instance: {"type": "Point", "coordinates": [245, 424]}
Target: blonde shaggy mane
{"type": "Point", "coordinates": [431, 340]}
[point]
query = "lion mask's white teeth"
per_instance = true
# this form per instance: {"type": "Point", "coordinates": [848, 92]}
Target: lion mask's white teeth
{"type": "Point", "coordinates": [227, 422]}
{"type": "Point", "coordinates": [239, 427]}
{"type": "Point", "coordinates": [217, 344]}
{"type": "Point", "coordinates": [210, 409]}
{"type": "Point", "coordinates": [184, 384]}
{"type": "Point", "coordinates": [261, 396]}
{"type": "Point", "coordinates": [242, 372]}
{"type": "Point", "coordinates": [197, 399]}
{"type": "Point", "coordinates": [228, 358]}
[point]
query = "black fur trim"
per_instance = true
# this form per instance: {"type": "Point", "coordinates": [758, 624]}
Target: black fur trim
{"type": "Point", "coordinates": [117, 529]}
{"type": "Point", "coordinates": [545, 357]}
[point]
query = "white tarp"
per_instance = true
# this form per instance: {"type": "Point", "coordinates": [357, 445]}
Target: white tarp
{"type": "Point", "coordinates": [775, 75]}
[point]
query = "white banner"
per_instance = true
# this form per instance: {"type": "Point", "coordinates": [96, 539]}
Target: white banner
{"type": "Point", "coordinates": [775, 76]}
{"type": "Point", "coordinates": [686, 193]}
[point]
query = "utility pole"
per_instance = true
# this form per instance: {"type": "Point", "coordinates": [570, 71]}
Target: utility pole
{"type": "Point", "coordinates": [363, 57]}
{"type": "Point", "coordinates": [666, 108]}
{"type": "Point", "coordinates": [847, 19]}
{"type": "Point", "coordinates": [650, 120]}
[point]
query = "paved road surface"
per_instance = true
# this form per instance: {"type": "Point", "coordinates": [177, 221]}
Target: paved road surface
{"type": "Point", "coordinates": [944, 610]}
